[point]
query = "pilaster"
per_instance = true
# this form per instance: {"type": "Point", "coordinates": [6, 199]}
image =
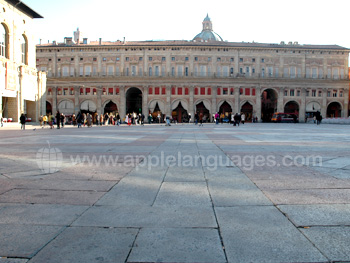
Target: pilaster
{"type": "Point", "coordinates": [302, 109]}
{"type": "Point", "coordinates": [99, 100]}
{"type": "Point", "coordinates": [145, 101]}
{"type": "Point", "coordinates": [76, 100]}
{"type": "Point", "coordinates": [236, 107]}
{"type": "Point", "coordinates": [324, 103]}
{"type": "Point", "coordinates": [280, 106]}
{"type": "Point", "coordinates": [257, 103]}
{"type": "Point", "coordinates": [168, 101]}
{"type": "Point", "coordinates": [122, 110]}
{"type": "Point", "coordinates": [191, 104]}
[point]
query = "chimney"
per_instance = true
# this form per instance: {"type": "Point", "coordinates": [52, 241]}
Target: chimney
{"type": "Point", "coordinates": [100, 41]}
{"type": "Point", "coordinates": [68, 40]}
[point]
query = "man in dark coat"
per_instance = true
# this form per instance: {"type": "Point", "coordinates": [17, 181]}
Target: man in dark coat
{"type": "Point", "coordinates": [58, 119]}
{"type": "Point", "coordinates": [22, 120]}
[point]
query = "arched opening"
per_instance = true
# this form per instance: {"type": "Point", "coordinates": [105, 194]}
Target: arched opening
{"type": "Point", "coordinates": [311, 109]}
{"type": "Point", "coordinates": [134, 101]}
{"type": "Point", "coordinates": [268, 104]}
{"type": "Point", "coordinates": [66, 107]}
{"type": "Point", "coordinates": [334, 110]}
{"type": "Point", "coordinates": [247, 109]}
{"type": "Point", "coordinates": [200, 108]}
{"type": "Point", "coordinates": [291, 107]}
{"type": "Point", "coordinates": [225, 108]}
{"type": "Point", "coordinates": [180, 113]}
{"type": "Point", "coordinates": [110, 107]}
{"type": "Point", "coordinates": [48, 107]}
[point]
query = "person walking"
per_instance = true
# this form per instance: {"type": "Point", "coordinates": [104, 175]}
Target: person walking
{"type": "Point", "coordinates": [45, 120]}
{"type": "Point", "coordinates": [242, 118]}
{"type": "Point", "coordinates": [58, 119]}
{"type": "Point", "coordinates": [62, 119]}
{"type": "Point", "coordinates": [201, 119]}
{"type": "Point", "coordinates": [22, 120]}
{"type": "Point", "coordinates": [216, 118]}
{"type": "Point", "coordinates": [149, 118]}
{"type": "Point", "coordinates": [89, 120]}
{"type": "Point", "coordinates": [2, 121]}
{"type": "Point", "coordinates": [41, 119]}
{"type": "Point", "coordinates": [79, 119]}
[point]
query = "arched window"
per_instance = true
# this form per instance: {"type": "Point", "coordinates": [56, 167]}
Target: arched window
{"type": "Point", "coordinates": [24, 50]}
{"type": "Point", "coordinates": [3, 41]}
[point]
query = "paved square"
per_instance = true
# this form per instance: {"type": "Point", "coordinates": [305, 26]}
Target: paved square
{"type": "Point", "coordinates": [217, 193]}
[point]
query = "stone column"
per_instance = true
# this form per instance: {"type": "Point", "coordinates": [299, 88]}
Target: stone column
{"type": "Point", "coordinates": [346, 104]}
{"type": "Point", "coordinates": [324, 103]}
{"type": "Point", "coordinates": [213, 102]}
{"type": "Point", "coordinates": [99, 100]}
{"type": "Point", "coordinates": [191, 109]}
{"type": "Point", "coordinates": [54, 100]}
{"type": "Point", "coordinates": [280, 106]}
{"type": "Point", "coordinates": [236, 107]}
{"type": "Point", "coordinates": [76, 100]}
{"type": "Point", "coordinates": [1, 113]}
{"type": "Point", "coordinates": [168, 101]}
{"type": "Point", "coordinates": [302, 109]}
{"type": "Point", "coordinates": [257, 103]}
{"type": "Point", "coordinates": [122, 109]}
{"type": "Point", "coordinates": [145, 101]}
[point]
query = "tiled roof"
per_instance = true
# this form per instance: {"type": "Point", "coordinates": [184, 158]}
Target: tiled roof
{"type": "Point", "coordinates": [173, 43]}
{"type": "Point", "coordinates": [24, 8]}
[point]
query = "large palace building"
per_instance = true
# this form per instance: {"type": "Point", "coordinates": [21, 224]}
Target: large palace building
{"type": "Point", "coordinates": [205, 74]}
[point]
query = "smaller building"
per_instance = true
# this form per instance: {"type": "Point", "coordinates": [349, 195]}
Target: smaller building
{"type": "Point", "coordinates": [22, 87]}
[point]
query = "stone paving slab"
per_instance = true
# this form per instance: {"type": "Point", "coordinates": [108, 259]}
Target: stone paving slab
{"type": "Point", "coordinates": [147, 216]}
{"type": "Point", "coordinates": [177, 245]}
{"type": "Point", "coordinates": [309, 196]}
{"type": "Point", "coordinates": [236, 195]}
{"type": "Point", "coordinates": [22, 241]}
{"type": "Point", "coordinates": [318, 215]}
{"type": "Point", "coordinates": [69, 185]}
{"type": "Point", "coordinates": [293, 183]}
{"type": "Point", "coordinates": [133, 190]}
{"type": "Point", "coordinates": [12, 260]}
{"type": "Point", "coordinates": [39, 214]}
{"type": "Point", "coordinates": [332, 241]}
{"type": "Point", "coordinates": [263, 234]}
{"type": "Point", "coordinates": [84, 244]}
{"type": "Point", "coordinates": [184, 174]}
{"type": "Point", "coordinates": [336, 173]}
{"type": "Point", "coordinates": [51, 197]}
{"type": "Point", "coordinates": [183, 194]}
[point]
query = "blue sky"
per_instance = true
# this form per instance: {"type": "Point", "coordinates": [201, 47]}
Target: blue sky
{"type": "Point", "coordinates": [269, 21]}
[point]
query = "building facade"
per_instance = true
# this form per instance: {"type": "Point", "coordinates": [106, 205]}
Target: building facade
{"type": "Point", "coordinates": [22, 86]}
{"type": "Point", "coordinates": [205, 74]}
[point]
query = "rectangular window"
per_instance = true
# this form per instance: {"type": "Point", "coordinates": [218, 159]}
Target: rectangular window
{"type": "Point", "coordinates": [186, 58]}
{"type": "Point", "coordinates": [334, 93]}
{"type": "Point", "coordinates": [253, 92]}
{"type": "Point", "coordinates": [186, 71]}
{"type": "Point", "coordinates": [156, 90]}
{"type": "Point", "coordinates": [253, 59]}
{"type": "Point", "coordinates": [127, 59]}
{"type": "Point", "coordinates": [179, 71]}
{"type": "Point", "coordinates": [240, 59]}
{"type": "Point", "coordinates": [262, 60]}
{"type": "Point", "coordinates": [292, 92]}
{"type": "Point", "coordinates": [202, 91]}
{"type": "Point", "coordinates": [218, 59]}
{"type": "Point", "coordinates": [163, 91]}
{"type": "Point", "coordinates": [150, 59]}
{"type": "Point", "coordinates": [231, 72]}
{"type": "Point", "coordinates": [140, 58]}
{"type": "Point", "coordinates": [87, 91]}
{"type": "Point", "coordinates": [110, 70]}
{"type": "Point", "coordinates": [314, 73]}
{"type": "Point", "coordinates": [186, 91]}
{"type": "Point", "coordinates": [341, 93]}
{"type": "Point", "coordinates": [173, 91]}
{"type": "Point", "coordinates": [247, 91]}
{"type": "Point", "coordinates": [65, 91]}
{"type": "Point", "coordinates": [156, 73]}
{"type": "Point", "coordinates": [298, 93]}
{"type": "Point", "coordinates": [172, 58]}
{"type": "Point", "coordinates": [179, 91]}
{"type": "Point", "coordinates": [163, 58]}
{"type": "Point", "coordinates": [232, 59]}
{"type": "Point", "coordinates": [195, 58]}
{"type": "Point", "coordinates": [150, 91]}
{"type": "Point", "coordinates": [209, 59]}
{"type": "Point", "coordinates": [320, 93]}
{"type": "Point", "coordinates": [292, 72]}
{"type": "Point", "coordinates": [225, 91]}
{"type": "Point", "coordinates": [110, 91]}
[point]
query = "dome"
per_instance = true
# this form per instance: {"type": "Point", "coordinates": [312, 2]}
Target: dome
{"type": "Point", "coordinates": [207, 33]}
